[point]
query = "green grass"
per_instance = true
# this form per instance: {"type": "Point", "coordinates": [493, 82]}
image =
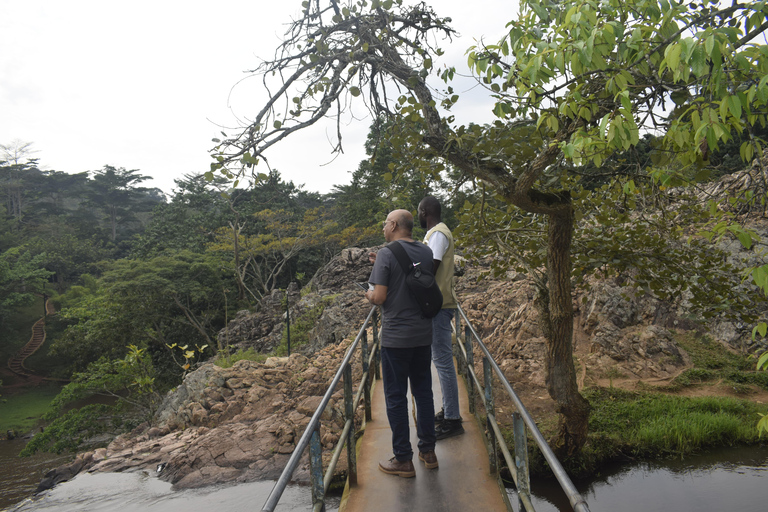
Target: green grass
{"type": "Point", "coordinates": [714, 363]}
{"type": "Point", "coordinates": [22, 411]}
{"type": "Point", "coordinates": [712, 355]}
{"type": "Point", "coordinates": [651, 423]}
{"type": "Point", "coordinates": [626, 425]}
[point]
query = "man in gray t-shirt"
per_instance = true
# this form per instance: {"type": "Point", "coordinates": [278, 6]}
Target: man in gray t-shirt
{"type": "Point", "coordinates": [406, 343]}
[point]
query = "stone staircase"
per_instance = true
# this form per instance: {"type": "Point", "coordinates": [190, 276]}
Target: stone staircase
{"type": "Point", "coordinates": [16, 363]}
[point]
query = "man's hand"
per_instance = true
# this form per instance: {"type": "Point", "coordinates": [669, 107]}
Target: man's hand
{"type": "Point", "coordinates": [372, 257]}
{"type": "Point", "coordinates": [378, 295]}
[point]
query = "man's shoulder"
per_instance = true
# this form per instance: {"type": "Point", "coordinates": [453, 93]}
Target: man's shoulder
{"type": "Point", "coordinates": [441, 228]}
{"type": "Point", "coordinates": [416, 250]}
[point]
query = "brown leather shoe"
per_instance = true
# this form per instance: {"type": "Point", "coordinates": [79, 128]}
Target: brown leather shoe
{"type": "Point", "coordinates": [393, 466]}
{"type": "Point", "coordinates": [429, 459]}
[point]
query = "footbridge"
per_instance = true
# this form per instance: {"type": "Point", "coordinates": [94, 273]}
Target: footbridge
{"type": "Point", "coordinates": [468, 474]}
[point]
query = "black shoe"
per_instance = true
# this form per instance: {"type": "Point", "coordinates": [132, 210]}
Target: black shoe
{"type": "Point", "coordinates": [448, 428]}
{"type": "Point", "coordinates": [439, 417]}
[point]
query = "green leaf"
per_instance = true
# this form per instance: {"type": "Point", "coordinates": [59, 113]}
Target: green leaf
{"type": "Point", "coordinates": [735, 106]}
{"type": "Point", "coordinates": [699, 64]}
{"type": "Point", "coordinates": [745, 239]}
{"type": "Point", "coordinates": [709, 44]}
{"type": "Point", "coordinates": [672, 56]}
{"type": "Point", "coordinates": [354, 91]}
{"type": "Point", "coordinates": [762, 363]}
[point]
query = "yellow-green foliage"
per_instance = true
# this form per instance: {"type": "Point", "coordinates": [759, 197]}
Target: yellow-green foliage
{"type": "Point", "coordinates": [225, 360]}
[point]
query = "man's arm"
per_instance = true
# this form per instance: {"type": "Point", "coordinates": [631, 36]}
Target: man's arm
{"type": "Point", "coordinates": [438, 242]}
{"type": "Point", "coordinates": [378, 295]}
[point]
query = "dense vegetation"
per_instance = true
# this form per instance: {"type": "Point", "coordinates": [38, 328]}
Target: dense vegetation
{"type": "Point", "coordinates": [143, 282]}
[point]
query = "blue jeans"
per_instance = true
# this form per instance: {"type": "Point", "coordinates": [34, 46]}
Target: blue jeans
{"type": "Point", "coordinates": [442, 355]}
{"type": "Point", "coordinates": [398, 366]}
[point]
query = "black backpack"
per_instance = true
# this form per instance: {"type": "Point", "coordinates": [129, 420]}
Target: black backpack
{"type": "Point", "coordinates": [420, 282]}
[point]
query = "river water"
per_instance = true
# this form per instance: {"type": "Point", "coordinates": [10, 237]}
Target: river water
{"type": "Point", "coordinates": [724, 479]}
{"type": "Point", "coordinates": [142, 492]}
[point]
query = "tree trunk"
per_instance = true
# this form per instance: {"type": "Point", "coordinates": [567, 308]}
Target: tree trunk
{"type": "Point", "coordinates": [113, 222]}
{"type": "Point", "coordinates": [556, 311]}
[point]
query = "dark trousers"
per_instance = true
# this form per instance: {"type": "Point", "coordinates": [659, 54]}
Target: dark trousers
{"type": "Point", "coordinates": [398, 367]}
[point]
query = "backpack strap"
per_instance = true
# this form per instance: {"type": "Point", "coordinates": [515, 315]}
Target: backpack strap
{"type": "Point", "coordinates": [402, 257]}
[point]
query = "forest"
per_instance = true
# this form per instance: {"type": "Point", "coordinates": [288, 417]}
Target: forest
{"type": "Point", "coordinates": [596, 177]}
{"type": "Point", "coordinates": [133, 272]}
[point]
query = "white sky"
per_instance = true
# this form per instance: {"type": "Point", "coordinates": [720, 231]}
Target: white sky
{"type": "Point", "coordinates": [146, 84]}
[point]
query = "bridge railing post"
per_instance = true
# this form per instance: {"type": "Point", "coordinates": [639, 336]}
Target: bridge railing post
{"type": "Point", "coordinates": [521, 459]}
{"type": "Point", "coordinates": [367, 382]}
{"type": "Point", "coordinates": [377, 344]}
{"type": "Point", "coordinates": [461, 363]}
{"type": "Point", "coordinates": [316, 471]}
{"type": "Point", "coordinates": [349, 413]}
{"type": "Point", "coordinates": [489, 412]}
{"type": "Point", "coordinates": [470, 364]}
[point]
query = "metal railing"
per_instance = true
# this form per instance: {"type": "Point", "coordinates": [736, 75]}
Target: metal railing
{"type": "Point", "coordinates": [311, 437]}
{"type": "Point", "coordinates": [517, 464]}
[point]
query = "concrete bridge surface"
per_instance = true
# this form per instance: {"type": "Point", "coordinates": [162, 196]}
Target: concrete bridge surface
{"type": "Point", "coordinates": [463, 481]}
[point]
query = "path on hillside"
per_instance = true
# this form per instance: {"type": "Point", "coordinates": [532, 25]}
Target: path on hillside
{"type": "Point", "coordinates": [16, 362]}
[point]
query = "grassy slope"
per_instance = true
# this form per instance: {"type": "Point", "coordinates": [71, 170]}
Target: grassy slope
{"type": "Point", "coordinates": [715, 403]}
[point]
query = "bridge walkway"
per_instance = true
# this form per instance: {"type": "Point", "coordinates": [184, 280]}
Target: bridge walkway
{"type": "Point", "coordinates": [462, 482]}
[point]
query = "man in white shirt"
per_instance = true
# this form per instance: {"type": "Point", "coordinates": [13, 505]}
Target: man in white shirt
{"type": "Point", "coordinates": [440, 240]}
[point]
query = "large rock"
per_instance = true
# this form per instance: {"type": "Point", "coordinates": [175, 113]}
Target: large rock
{"type": "Point", "coordinates": [235, 424]}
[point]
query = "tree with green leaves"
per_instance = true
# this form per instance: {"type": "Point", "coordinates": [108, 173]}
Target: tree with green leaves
{"type": "Point", "coordinates": [130, 381]}
{"type": "Point", "coordinates": [379, 186]}
{"type": "Point", "coordinates": [113, 191]}
{"type": "Point", "coordinates": [150, 303]}
{"type": "Point", "coordinates": [21, 277]}
{"type": "Point", "coordinates": [67, 256]}
{"type": "Point", "coordinates": [16, 169]}
{"type": "Point", "coordinates": [187, 222]}
{"type": "Point", "coordinates": [585, 78]}
{"type": "Point", "coordinates": [260, 259]}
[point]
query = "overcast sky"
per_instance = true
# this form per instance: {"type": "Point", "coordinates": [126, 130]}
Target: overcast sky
{"type": "Point", "coordinates": [147, 84]}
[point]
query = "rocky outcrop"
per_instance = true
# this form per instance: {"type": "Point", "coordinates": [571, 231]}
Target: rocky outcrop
{"type": "Point", "coordinates": [332, 290]}
{"type": "Point", "coordinates": [229, 425]}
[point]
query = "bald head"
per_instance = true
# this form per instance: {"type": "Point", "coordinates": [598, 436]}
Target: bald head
{"type": "Point", "coordinates": [399, 224]}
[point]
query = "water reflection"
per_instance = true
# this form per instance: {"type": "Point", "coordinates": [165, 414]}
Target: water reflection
{"type": "Point", "coordinates": [727, 479]}
{"type": "Point", "coordinates": [143, 492]}
{"type": "Point", "coordinates": [19, 477]}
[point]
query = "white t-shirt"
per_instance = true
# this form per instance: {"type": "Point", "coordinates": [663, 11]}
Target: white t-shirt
{"type": "Point", "coordinates": [438, 242]}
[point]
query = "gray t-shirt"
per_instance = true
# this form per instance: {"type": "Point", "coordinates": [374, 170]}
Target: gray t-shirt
{"type": "Point", "coordinates": [403, 325]}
